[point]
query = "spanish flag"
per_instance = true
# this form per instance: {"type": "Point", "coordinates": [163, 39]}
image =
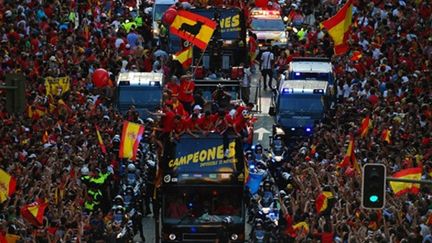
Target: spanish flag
{"type": "Point", "coordinates": [364, 127]}
{"type": "Point", "coordinates": [7, 185]}
{"type": "Point", "coordinates": [400, 188]}
{"type": "Point", "coordinates": [385, 135]}
{"type": "Point", "coordinates": [185, 57]}
{"type": "Point", "coordinates": [34, 212]}
{"type": "Point", "coordinates": [339, 27]}
{"type": "Point", "coordinates": [193, 27]}
{"type": "Point", "coordinates": [303, 227]}
{"type": "Point", "coordinates": [36, 112]}
{"type": "Point", "coordinates": [349, 158]}
{"type": "Point", "coordinates": [322, 202]}
{"type": "Point", "coordinates": [131, 136]}
{"type": "Point", "coordinates": [100, 141]}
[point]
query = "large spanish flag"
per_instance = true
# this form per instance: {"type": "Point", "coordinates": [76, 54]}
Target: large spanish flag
{"type": "Point", "coordinates": [34, 212]}
{"type": "Point", "coordinates": [185, 57]}
{"type": "Point", "coordinates": [7, 185]}
{"type": "Point", "coordinates": [131, 136]}
{"type": "Point", "coordinates": [365, 126]}
{"type": "Point", "coordinates": [339, 26]}
{"type": "Point", "coordinates": [400, 188]}
{"type": "Point", "coordinates": [193, 27]}
{"type": "Point", "coordinates": [322, 202]}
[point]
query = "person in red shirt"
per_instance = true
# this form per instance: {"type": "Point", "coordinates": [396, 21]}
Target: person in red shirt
{"type": "Point", "coordinates": [206, 123]}
{"type": "Point", "coordinates": [178, 107]}
{"type": "Point", "coordinates": [181, 126]}
{"type": "Point", "coordinates": [187, 87]}
{"type": "Point", "coordinates": [327, 235]}
{"type": "Point", "coordinates": [240, 124]}
{"type": "Point", "coordinates": [172, 86]}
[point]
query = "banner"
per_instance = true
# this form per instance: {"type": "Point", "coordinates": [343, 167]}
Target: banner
{"type": "Point", "coordinates": [204, 154]}
{"type": "Point", "coordinates": [194, 28]}
{"type": "Point", "coordinates": [57, 86]}
{"type": "Point", "coordinates": [230, 21]}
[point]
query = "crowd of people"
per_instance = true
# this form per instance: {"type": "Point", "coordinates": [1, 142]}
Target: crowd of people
{"type": "Point", "coordinates": [385, 76]}
{"type": "Point", "coordinates": [389, 82]}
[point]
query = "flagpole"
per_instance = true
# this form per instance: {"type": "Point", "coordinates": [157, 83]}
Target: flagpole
{"type": "Point", "coordinates": [199, 60]}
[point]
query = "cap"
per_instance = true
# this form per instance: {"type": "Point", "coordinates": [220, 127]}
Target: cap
{"type": "Point", "coordinates": [197, 107]}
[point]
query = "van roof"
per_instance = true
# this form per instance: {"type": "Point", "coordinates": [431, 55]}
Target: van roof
{"type": "Point", "coordinates": [165, 1]}
{"type": "Point", "coordinates": [139, 78]}
{"type": "Point", "coordinates": [308, 86]}
{"type": "Point", "coordinates": [315, 65]}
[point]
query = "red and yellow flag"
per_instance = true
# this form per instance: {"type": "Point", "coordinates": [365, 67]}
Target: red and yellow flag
{"type": "Point", "coordinates": [356, 55]}
{"type": "Point", "coordinates": [8, 238]}
{"type": "Point", "coordinates": [185, 57]}
{"type": "Point", "coordinates": [385, 135]}
{"type": "Point", "coordinates": [7, 185]}
{"type": "Point", "coordinates": [339, 27]}
{"type": "Point", "coordinates": [131, 136]}
{"type": "Point", "coordinates": [34, 212]}
{"type": "Point", "coordinates": [193, 27]}
{"type": "Point", "coordinates": [401, 188]}
{"type": "Point", "coordinates": [364, 127]}
{"type": "Point", "coordinates": [36, 112]}
{"type": "Point", "coordinates": [349, 158]}
{"type": "Point", "coordinates": [100, 141]}
{"type": "Point", "coordinates": [322, 201]}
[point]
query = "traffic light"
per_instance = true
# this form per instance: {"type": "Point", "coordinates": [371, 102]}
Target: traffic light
{"type": "Point", "coordinates": [373, 186]}
{"type": "Point", "coordinates": [15, 93]}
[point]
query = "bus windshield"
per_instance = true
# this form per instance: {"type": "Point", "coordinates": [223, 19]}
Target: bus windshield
{"type": "Point", "coordinates": [159, 10]}
{"type": "Point", "coordinates": [304, 105]}
{"type": "Point", "coordinates": [202, 205]}
{"type": "Point", "coordinates": [267, 25]}
{"type": "Point", "coordinates": [140, 97]}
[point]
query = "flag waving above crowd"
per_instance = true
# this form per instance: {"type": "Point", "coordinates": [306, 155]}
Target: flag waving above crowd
{"type": "Point", "coordinates": [193, 27]}
{"type": "Point", "coordinates": [339, 26]}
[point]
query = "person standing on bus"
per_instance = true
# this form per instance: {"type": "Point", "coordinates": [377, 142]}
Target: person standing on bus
{"type": "Point", "coordinates": [187, 87]}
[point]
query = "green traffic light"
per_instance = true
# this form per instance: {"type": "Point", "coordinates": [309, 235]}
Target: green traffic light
{"type": "Point", "coordinates": [373, 198]}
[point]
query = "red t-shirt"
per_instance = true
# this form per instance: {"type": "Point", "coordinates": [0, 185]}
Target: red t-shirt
{"type": "Point", "coordinates": [179, 109]}
{"type": "Point", "coordinates": [239, 123]}
{"type": "Point", "coordinates": [180, 126]}
{"type": "Point", "coordinates": [206, 123]}
{"type": "Point", "coordinates": [173, 87]}
{"type": "Point", "coordinates": [168, 121]}
{"type": "Point", "coordinates": [325, 237]}
{"type": "Point", "coordinates": [190, 123]}
{"type": "Point", "coordinates": [186, 86]}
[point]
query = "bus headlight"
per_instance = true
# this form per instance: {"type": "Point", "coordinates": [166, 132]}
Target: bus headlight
{"type": "Point", "coordinates": [172, 236]}
{"type": "Point", "coordinates": [234, 237]}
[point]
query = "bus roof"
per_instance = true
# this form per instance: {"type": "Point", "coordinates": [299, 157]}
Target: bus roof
{"type": "Point", "coordinates": [303, 86]}
{"type": "Point", "coordinates": [315, 65]}
{"type": "Point", "coordinates": [140, 78]}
